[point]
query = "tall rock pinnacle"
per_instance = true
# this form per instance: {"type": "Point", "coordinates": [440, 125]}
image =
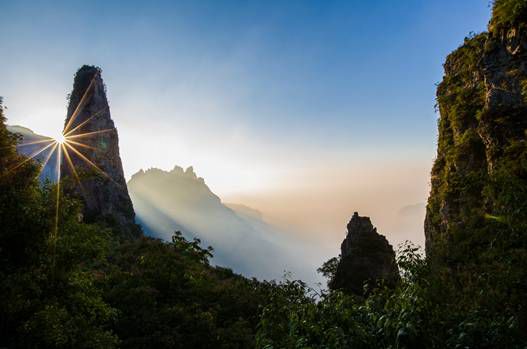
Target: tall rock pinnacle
{"type": "Point", "coordinates": [98, 176]}
{"type": "Point", "coordinates": [366, 256]}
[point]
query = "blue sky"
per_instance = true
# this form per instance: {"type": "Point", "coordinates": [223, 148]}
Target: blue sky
{"type": "Point", "coordinates": [254, 94]}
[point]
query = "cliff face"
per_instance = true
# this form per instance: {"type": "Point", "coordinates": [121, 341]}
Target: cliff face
{"type": "Point", "coordinates": [365, 256]}
{"type": "Point", "coordinates": [478, 198]}
{"type": "Point", "coordinates": [90, 129]}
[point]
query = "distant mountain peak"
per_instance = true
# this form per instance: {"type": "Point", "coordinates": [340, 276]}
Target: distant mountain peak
{"type": "Point", "coordinates": [22, 130]}
{"type": "Point", "coordinates": [30, 144]}
{"type": "Point", "coordinates": [167, 201]}
{"type": "Point", "coordinates": [190, 171]}
{"type": "Point", "coordinates": [177, 173]}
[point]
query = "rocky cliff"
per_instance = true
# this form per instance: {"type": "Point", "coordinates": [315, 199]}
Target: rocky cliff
{"type": "Point", "coordinates": [98, 176]}
{"type": "Point", "coordinates": [366, 256]}
{"type": "Point", "coordinates": [478, 199]}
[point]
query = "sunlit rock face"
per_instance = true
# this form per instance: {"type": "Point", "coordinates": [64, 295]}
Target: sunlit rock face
{"type": "Point", "coordinates": [366, 256]}
{"type": "Point", "coordinates": [478, 179]}
{"type": "Point", "coordinates": [102, 184]}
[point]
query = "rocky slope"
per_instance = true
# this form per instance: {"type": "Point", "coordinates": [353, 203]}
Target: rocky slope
{"type": "Point", "coordinates": [103, 187]}
{"type": "Point", "coordinates": [366, 256]}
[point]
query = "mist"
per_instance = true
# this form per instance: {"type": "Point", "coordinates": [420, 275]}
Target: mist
{"type": "Point", "coordinates": [178, 200]}
{"type": "Point", "coordinates": [317, 202]}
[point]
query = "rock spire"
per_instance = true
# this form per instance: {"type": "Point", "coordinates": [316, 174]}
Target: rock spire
{"type": "Point", "coordinates": [366, 257]}
{"type": "Point", "coordinates": [98, 178]}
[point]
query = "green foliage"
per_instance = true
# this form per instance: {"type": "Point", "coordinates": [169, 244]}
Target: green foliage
{"type": "Point", "coordinates": [476, 214]}
{"type": "Point", "coordinates": [420, 313]}
{"type": "Point", "coordinates": [82, 80]}
{"type": "Point", "coordinates": [329, 268]}
{"type": "Point", "coordinates": [21, 212]}
{"type": "Point", "coordinates": [54, 301]}
{"type": "Point", "coordinates": [67, 284]}
{"type": "Point", "coordinates": [169, 297]}
{"type": "Point", "coordinates": [459, 174]}
{"type": "Point", "coordinates": [89, 290]}
{"type": "Point", "coordinates": [507, 13]}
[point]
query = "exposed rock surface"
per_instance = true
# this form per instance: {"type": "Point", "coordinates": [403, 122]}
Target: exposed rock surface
{"type": "Point", "coordinates": [102, 184]}
{"type": "Point", "coordinates": [479, 176]}
{"type": "Point", "coordinates": [366, 256]}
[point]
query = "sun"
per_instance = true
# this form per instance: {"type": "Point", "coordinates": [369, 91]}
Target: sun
{"type": "Point", "coordinates": [61, 144]}
{"type": "Point", "coordinates": [60, 138]}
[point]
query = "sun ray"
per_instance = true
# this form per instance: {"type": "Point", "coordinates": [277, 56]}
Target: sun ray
{"type": "Point", "coordinates": [82, 145]}
{"type": "Point", "coordinates": [66, 134]}
{"type": "Point", "coordinates": [86, 159]}
{"type": "Point", "coordinates": [57, 203]}
{"type": "Point", "coordinates": [32, 156]}
{"type": "Point", "coordinates": [36, 142]}
{"type": "Point", "coordinates": [80, 135]}
{"type": "Point", "coordinates": [81, 104]}
{"type": "Point", "coordinates": [71, 165]}
{"type": "Point", "coordinates": [50, 154]}
{"type": "Point", "coordinates": [55, 231]}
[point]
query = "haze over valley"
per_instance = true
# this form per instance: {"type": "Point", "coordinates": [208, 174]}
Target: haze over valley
{"type": "Point", "coordinates": [243, 237]}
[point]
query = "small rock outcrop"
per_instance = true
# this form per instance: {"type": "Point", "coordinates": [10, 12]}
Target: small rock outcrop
{"type": "Point", "coordinates": [366, 257]}
{"type": "Point", "coordinates": [98, 178]}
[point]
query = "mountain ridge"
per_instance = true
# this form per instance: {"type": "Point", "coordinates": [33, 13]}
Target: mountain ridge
{"type": "Point", "coordinates": [24, 147]}
{"type": "Point", "coordinates": [178, 199]}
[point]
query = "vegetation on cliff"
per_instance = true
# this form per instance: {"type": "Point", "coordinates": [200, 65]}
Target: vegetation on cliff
{"type": "Point", "coordinates": [477, 209]}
